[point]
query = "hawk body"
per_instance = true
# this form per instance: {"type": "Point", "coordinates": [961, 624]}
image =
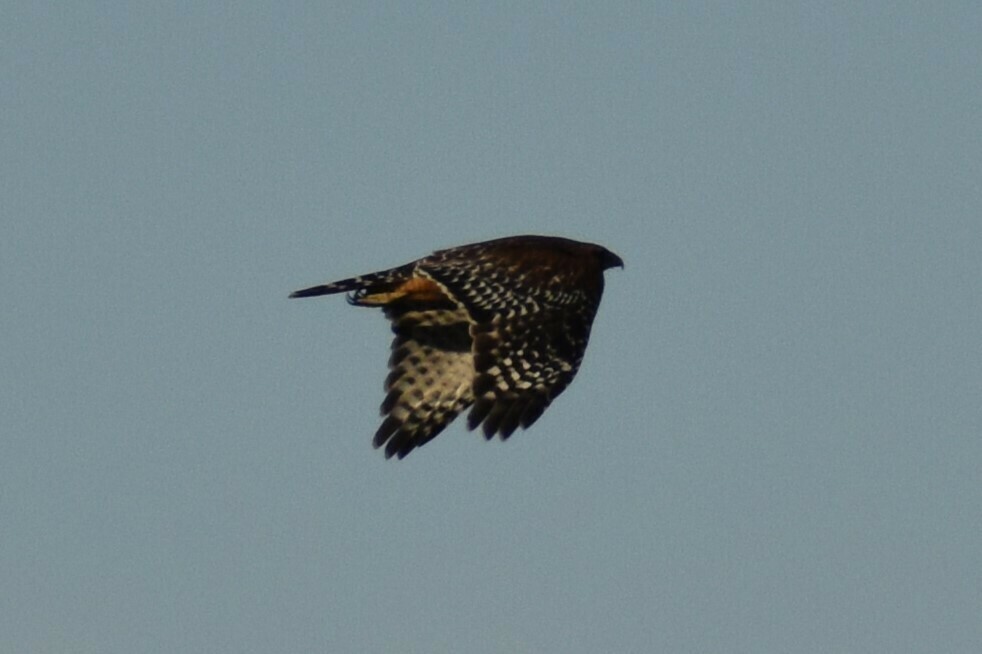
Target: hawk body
{"type": "Point", "coordinates": [499, 326]}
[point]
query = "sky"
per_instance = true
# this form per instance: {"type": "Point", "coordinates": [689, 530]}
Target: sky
{"type": "Point", "coordinates": [773, 444]}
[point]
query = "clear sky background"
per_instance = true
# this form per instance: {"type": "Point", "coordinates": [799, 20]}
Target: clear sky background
{"type": "Point", "coordinates": [774, 443]}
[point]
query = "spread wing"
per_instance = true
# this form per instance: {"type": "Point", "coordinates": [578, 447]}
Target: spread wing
{"type": "Point", "coordinates": [431, 375]}
{"type": "Point", "coordinates": [529, 333]}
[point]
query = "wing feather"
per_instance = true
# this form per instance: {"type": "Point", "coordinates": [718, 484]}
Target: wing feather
{"type": "Point", "coordinates": [529, 336]}
{"type": "Point", "coordinates": [431, 376]}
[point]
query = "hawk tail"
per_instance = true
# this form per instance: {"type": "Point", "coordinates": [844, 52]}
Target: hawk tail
{"type": "Point", "coordinates": [378, 282]}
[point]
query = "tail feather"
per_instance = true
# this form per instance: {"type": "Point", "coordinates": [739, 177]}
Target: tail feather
{"type": "Point", "coordinates": [342, 286]}
{"type": "Point", "coordinates": [370, 283]}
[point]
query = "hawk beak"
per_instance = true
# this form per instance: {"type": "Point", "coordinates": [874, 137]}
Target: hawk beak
{"type": "Point", "coordinates": [611, 260]}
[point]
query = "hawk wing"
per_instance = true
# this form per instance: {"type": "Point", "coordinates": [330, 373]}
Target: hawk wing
{"type": "Point", "coordinates": [431, 375]}
{"type": "Point", "coordinates": [529, 330]}
{"type": "Point", "coordinates": [431, 368]}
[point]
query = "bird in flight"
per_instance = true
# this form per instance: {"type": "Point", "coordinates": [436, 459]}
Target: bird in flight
{"type": "Point", "coordinates": [499, 326]}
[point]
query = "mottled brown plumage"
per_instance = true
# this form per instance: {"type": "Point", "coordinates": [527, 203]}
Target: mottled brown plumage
{"type": "Point", "coordinates": [499, 326]}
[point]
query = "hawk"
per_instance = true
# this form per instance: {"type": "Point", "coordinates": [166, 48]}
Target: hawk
{"type": "Point", "coordinates": [499, 326]}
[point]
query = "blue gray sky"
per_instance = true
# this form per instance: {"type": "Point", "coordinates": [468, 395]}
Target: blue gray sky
{"type": "Point", "coordinates": [773, 444]}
